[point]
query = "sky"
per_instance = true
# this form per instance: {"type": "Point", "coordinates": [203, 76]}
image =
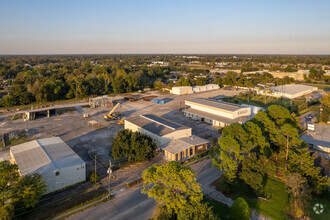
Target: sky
{"type": "Point", "coordinates": [164, 26]}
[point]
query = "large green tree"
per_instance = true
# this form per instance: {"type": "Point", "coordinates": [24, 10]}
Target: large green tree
{"type": "Point", "coordinates": [175, 189]}
{"type": "Point", "coordinates": [18, 193]}
{"type": "Point", "coordinates": [132, 145]}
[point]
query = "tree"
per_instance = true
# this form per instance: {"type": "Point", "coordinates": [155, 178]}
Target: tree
{"type": "Point", "coordinates": [7, 101]}
{"type": "Point", "coordinates": [253, 172]}
{"type": "Point", "coordinates": [18, 193]}
{"type": "Point", "coordinates": [201, 81]}
{"type": "Point", "coordinates": [173, 187]}
{"type": "Point", "coordinates": [280, 114]}
{"type": "Point", "coordinates": [159, 85]}
{"type": "Point", "coordinates": [301, 162]}
{"type": "Point", "coordinates": [8, 177]}
{"type": "Point", "coordinates": [299, 193]}
{"type": "Point", "coordinates": [196, 212]}
{"type": "Point", "coordinates": [240, 210]}
{"type": "Point", "coordinates": [292, 139]}
{"type": "Point", "coordinates": [227, 156]}
{"type": "Point", "coordinates": [255, 135]}
{"type": "Point", "coordinates": [29, 190]}
{"type": "Point", "coordinates": [132, 145]}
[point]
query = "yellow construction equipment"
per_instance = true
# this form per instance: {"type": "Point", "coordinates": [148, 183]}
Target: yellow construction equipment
{"type": "Point", "coordinates": [121, 122]}
{"type": "Point", "coordinates": [111, 116]}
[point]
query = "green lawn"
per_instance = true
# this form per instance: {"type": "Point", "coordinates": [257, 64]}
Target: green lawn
{"type": "Point", "coordinates": [326, 209]}
{"type": "Point", "coordinates": [221, 210]}
{"type": "Point", "coordinates": [276, 206]}
{"type": "Point", "coordinates": [277, 198]}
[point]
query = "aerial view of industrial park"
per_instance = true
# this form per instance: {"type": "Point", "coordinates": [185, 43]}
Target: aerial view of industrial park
{"type": "Point", "coordinates": [170, 110]}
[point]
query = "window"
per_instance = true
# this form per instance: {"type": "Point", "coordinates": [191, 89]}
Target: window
{"type": "Point", "coordinates": [57, 173]}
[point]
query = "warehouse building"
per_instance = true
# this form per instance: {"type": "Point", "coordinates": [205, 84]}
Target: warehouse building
{"type": "Point", "coordinates": [58, 165]}
{"type": "Point", "coordinates": [182, 90]}
{"type": "Point", "coordinates": [216, 113]}
{"type": "Point", "coordinates": [185, 90]}
{"type": "Point", "coordinates": [175, 141]}
{"type": "Point", "coordinates": [290, 91]}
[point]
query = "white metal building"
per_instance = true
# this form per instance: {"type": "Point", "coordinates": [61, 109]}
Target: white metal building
{"type": "Point", "coordinates": [58, 165]}
{"type": "Point", "coordinates": [290, 91]}
{"type": "Point", "coordinates": [181, 90]}
{"type": "Point", "coordinates": [217, 113]}
{"type": "Point", "coordinates": [184, 90]}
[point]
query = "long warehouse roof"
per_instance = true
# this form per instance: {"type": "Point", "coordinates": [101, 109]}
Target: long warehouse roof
{"type": "Point", "coordinates": [225, 120]}
{"type": "Point", "coordinates": [216, 104]}
{"type": "Point", "coordinates": [293, 89]}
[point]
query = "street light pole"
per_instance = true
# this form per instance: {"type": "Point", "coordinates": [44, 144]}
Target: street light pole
{"type": "Point", "coordinates": [109, 172]}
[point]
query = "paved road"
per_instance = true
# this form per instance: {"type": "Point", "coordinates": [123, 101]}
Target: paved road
{"type": "Point", "coordinates": [131, 204]}
{"type": "Point", "coordinates": [128, 204]}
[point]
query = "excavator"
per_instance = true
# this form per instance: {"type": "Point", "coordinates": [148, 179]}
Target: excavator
{"type": "Point", "coordinates": [112, 115]}
{"type": "Point", "coordinates": [121, 122]}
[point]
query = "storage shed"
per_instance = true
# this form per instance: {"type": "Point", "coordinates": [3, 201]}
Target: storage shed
{"type": "Point", "coordinates": [58, 165]}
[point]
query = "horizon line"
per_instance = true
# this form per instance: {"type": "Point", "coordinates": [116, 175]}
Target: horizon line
{"type": "Point", "coordinates": [231, 54]}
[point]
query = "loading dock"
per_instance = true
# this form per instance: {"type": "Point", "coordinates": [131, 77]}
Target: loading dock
{"type": "Point", "coordinates": [41, 112]}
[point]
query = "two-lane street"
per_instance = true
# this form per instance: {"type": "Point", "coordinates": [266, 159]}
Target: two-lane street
{"type": "Point", "coordinates": [132, 204]}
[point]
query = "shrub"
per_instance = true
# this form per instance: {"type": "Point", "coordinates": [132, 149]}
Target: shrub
{"type": "Point", "coordinates": [94, 177]}
{"type": "Point", "coordinates": [240, 210]}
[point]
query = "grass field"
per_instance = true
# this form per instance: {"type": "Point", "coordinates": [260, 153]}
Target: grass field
{"type": "Point", "coordinates": [325, 215]}
{"type": "Point", "coordinates": [276, 204]}
{"type": "Point", "coordinates": [219, 209]}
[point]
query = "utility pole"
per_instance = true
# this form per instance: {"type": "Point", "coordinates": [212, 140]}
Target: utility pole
{"type": "Point", "coordinates": [109, 172]}
{"type": "Point", "coordinates": [95, 165]}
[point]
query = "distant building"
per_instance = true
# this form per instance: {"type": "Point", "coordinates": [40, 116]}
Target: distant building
{"type": "Point", "coordinates": [181, 90]}
{"type": "Point", "coordinates": [299, 75]}
{"type": "Point", "coordinates": [290, 91]}
{"type": "Point", "coordinates": [175, 141]}
{"type": "Point", "coordinates": [185, 90]}
{"type": "Point", "coordinates": [58, 165]}
{"type": "Point", "coordinates": [216, 113]}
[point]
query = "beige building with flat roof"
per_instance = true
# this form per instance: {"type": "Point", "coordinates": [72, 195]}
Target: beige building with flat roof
{"type": "Point", "coordinates": [175, 141]}
{"type": "Point", "coordinates": [219, 114]}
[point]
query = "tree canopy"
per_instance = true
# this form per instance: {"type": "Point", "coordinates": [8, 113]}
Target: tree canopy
{"type": "Point", "coordinates": [132, 145]}
{"type": "Point", "coordinates": [175, 189]}
{"type": "Point", "coordinates": [18, 193]}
